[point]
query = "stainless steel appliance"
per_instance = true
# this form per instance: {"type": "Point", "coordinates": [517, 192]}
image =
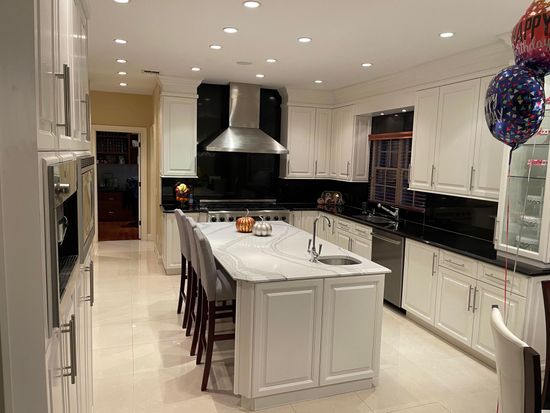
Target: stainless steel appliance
{"type": "Point", "coordinates": [388, 250]}
{"type": "Point", "coordinates": [86, 204]}
{"type": "Point", "coordinates": [230, 209]}
{"type": "Point", "coordinates": [61, 218]}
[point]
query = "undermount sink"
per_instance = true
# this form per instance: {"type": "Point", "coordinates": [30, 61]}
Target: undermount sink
{"type": "Point", "coordinates": [338, 260]}
{"type": "Point", "coordinates": [375, 219]}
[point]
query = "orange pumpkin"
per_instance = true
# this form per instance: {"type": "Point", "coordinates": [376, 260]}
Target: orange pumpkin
{"type": "Point", "coordinates": [245, 224]}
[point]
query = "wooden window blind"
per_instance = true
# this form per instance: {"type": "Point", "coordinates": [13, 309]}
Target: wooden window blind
{"type": "Point", "coordinates": [389, 180]}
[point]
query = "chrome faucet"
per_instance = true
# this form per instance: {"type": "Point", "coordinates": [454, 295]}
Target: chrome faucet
{"type": "Point", "coordinates": [394, 213]}
{"type": "Point", "coordinates": [311, 248]}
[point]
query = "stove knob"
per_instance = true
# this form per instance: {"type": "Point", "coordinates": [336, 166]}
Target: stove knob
{"type": "Point", "coordinates": [268, 218]}
{"type": "Point", "coordinates": [231, 219]}
{"type": "Point", "coordinates": [283, 218]}
{"type": "Point", "coordinates": [213, 219]}
{"type": "Point", "coordinates": [276, 218]}
{"type": "Point", "coordinates": [222, 219]}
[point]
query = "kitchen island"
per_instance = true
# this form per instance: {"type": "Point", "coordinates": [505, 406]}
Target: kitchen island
{"type": "Point", "coordinates": [304, 329]}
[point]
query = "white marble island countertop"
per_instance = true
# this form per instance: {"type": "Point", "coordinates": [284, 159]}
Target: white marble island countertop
{"type": "Point", "coordinates": [281, 256]}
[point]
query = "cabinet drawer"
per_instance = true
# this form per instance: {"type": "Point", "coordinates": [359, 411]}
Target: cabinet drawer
{"type": "Point", "coordinates": [362, 231]}
{"type": "Point", "coordinates": [490, 274]}
{"type": "Point", "coordinates": [109, 196]}
{"type": "Point", "coordinates": [344, 225]}
{"type": "Point", "coordinates": [458, 263]}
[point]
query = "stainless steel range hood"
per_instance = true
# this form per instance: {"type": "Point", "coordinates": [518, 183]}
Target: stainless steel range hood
{"type": "Point", "coordinates": [244, 134]}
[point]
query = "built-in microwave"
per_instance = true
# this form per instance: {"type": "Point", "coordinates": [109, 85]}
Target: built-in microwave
{"type": "Point", "coordinates": [86, 204]}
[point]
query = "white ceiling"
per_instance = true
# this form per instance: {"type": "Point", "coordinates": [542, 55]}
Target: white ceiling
{"type": "Point", "coordinates": [173, 35]}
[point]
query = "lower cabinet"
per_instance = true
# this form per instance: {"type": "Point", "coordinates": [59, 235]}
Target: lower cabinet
{"type": "Point", "coordinates": [171, 254]}
{"type": "Point", "coordinates": [349, 348]}
{"type": "Point", "coordinates": [69, 353]}
{"type": "Point", "coordinates": [420, 280]}
{"type": "Point", "coordinates": [55, 378]}
{"type": "Point", "coordinates": [362, 247]}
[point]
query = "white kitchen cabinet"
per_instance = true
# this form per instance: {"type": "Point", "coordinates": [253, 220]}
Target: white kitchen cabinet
{"type": "Point", "coordinates": [287, 337]}
{"type": "Point", "coordinates": [85, 335]}
{"type": "Point", "coordinates": [361, 149]}
{"type": "Point", "coordinates": [488, 154]}
{"type": "Point", "coordinates": [362, 247]}
{"type": "Point", "coordinates": [343, 240]}
{"type": "Point", "coordinates": [453, 314]}
{"type": "Point", "coordinates": [178, 136]}
{"type": "Point", "coordinates": [299, 138]}
{"type": "Point", "coordinates": [69, 351]}
{"type": "Point", "coordinates": [55, 378]}
{"type": "Point", "coordinates": [423, 142]}
{"type": "Point", "coordinates": [485, 297]}
{"type": "Point", "coordinates": [296, 219]}
{"type": "Point", "coordinates": [308, 217]}
{"type": "Point", "coordinates": [456, 135]}
{"type": "Point", "coordinates": [420, 280]}
{"type": "Point", "coordinates": [171, 253]}
{"type": "Point", "coordinates": [350, 344]}
{"type": "Point", "coordinates": [328, 233]}
{"type": "Point", "coordinates": [323, 128]}
{"type": "Point", "coordinates": [342, 137]}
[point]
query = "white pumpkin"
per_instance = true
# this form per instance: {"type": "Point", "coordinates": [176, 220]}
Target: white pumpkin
{"type": "Point", "coordinates": [262, 228]}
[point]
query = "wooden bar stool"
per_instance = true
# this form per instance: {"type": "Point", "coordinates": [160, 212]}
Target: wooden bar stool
{"type": "Point", "coordinates": [184, 249]}
{"type": "Point", "coordinates": [192, 282]}
{"type": "Point", "coordinates": [216, 286]}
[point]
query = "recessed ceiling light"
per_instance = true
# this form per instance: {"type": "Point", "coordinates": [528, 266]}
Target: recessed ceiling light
{"type": "Point", "coordinates": [403, 110]}
{"type": "Point", "coordinates": [304, 39]}
{"type": "Point", "coordinates": [259, 75]}
{"type": "Point", "coordinates": [230, 30]}
{"type": "Point", "coordinates": [252, 4]}
{"type": "Point", "coordinates": [122, 73]}
{"type": "Point", "coordinates": [270, 60]}
{"type": "Point", "coordinates": [366, 64]}
{"type": "Point", "coordinates": [215, 47]}
{"type": "Point", "coordinates": [121, 60]}
{"type": "Point", "coordinates": [318, 81]}
{"type": "Point", "coordinates": [446, 35]}
{"type": "Point", "coordinates": [122, 1]}
{"type": "Point", "coordinates": [381, 113]}
{"type": "Point", "coordinates": [123, 84]}
{"type": "Point", "coordinates": [120, 41]}
{"type": "Point", "coordinates": [196, 69]}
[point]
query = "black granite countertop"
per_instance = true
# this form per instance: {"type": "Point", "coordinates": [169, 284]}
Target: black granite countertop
{"type": "Point", "coordinates": [469, 246]}
{"type": "Point", "coordinates": [170, 208]}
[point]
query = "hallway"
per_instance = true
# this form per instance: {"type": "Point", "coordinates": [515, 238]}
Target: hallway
{"type": "Point", "coordinates": [142, 362]}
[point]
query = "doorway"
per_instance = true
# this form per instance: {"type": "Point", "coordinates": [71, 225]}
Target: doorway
{"type": "Point", "coordinates": [118, 185]}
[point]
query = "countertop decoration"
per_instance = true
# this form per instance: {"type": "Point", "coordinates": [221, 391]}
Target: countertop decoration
{"type": "Point", "coordinates": [182, 192]}
{"type": "Point", "coordinates": [245, 224]}
{"type": "Point", "coordinates": [262, 228]}
{"type": "Point", "coordinates": [330, 198]}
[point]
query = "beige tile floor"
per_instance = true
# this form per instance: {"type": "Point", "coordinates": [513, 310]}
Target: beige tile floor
{"type": "Point", "coordinates": [142, 362]}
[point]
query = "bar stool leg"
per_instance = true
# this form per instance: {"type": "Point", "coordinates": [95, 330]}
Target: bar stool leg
{"type": "Point", "coordinates": [182, 283]}
{"type": "Point", "coordinates": [188, 295]}
{"type": "Point", "coordinates": [202, 334]}
{"type": "Point", "coordinates": [209, 343]}
{"type": "Point", "coordinates": [198, 320]}
{"type": "Point", "coordinates": [192, 299]}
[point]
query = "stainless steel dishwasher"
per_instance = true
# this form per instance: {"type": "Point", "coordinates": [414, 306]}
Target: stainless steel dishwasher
{"type": "Point", "coordinates": [388, 250]}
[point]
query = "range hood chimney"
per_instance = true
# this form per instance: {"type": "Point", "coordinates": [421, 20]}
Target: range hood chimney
{"type": "Point", "coordinates": [244, 134]}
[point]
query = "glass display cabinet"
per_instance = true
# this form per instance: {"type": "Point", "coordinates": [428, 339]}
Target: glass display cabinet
{"type": "Point", "coordinates": [529, 198]}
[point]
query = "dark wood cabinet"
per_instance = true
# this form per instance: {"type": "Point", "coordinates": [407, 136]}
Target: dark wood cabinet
{"type": "Point", "coordinates": [112, 206]}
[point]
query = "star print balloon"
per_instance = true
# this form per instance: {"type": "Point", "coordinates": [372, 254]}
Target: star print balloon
{"type": "Point", "coordinates": [531, 38]}
{"type": "Point", "coordinates": [514, 105]}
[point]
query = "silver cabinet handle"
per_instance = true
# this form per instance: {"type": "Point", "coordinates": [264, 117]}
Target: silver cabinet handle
{"type": "Point", "coordinates": [432, 177]}
{"type": "Point", "coordinates": [472, 171]}
{"type": "Point", "coordinates": [66, 77]}
{"type": "Point", "coordinates": [333, 226]}
{"type": "Point", "coordinates": [433, 263]}
{"type": "Point", "coordinates": [86, 103]}
{"type": "Point", "coordinates": [475, 299]}
{"type": "Point", "coordinates": [350, 244]}
{"type": "Point", "coordinates": [347, 169]}
{"type": "Point", "coordinates": [497, 225]}
{"type": "Point", "coordinates": [493, 276]}
{"type": "Point", "coordinates": [315, 174]}
{"type": "Point", "coordinates": [70, 329]}
{"type": "Point", "coordinates": [455, 263]}
{"type": "Point", "coordinates": [91, 297]}
{"type": "Point", "coordinates": [469, 299]}
{"type": "Point", "coordinates": [288, 165]}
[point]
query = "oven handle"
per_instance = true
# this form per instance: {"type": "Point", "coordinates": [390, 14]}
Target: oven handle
{"type": "Point", "coordinates": [65, 223]}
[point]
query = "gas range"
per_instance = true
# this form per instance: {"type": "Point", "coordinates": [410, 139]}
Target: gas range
{"type": "Point", "coordinates": [228, 210]}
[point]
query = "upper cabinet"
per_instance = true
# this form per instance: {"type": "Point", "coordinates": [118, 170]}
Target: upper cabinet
{"type": "Point", "coordinates": [63, 104]}
{"type": "Point", "coordinates": [325, 143]}
{"type": "Point", "coordinates": [453, 151]}
{"type": "Point", "coordinates": [176, 105]}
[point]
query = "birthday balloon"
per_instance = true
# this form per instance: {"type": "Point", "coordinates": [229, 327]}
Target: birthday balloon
{"type": "Point", "coordinates": [531, 38]}
{"type": "Point", "coordinates": [514, 105]}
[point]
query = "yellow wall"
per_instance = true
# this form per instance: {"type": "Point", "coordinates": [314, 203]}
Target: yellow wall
{"type": "Point", "coordinates": [121, 109]}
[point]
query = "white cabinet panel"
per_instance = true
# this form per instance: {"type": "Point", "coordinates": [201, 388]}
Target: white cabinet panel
{"type": "Point", "coordinates": [361, 149]}
{"type": "Point", "coordinates": [350, 342]}
{"type": "Point", "coordinates": [420, 280]}
{"type": "Point", "coordinates": [362, 247]}
{"type": "Point", "coordinates": [486, 296]}
{"type": "Point", "coordinates": [301, 142]}
{"type": "Point", "coordinates": [55, 376]}
{"type": "Point", "coordinates": [179, 136]}
{"type": "Point", "coordinates": [287, 338]}
{"type": "Point", "coordinates": [486, 169]}
{"type": "Point", "coordinates": [456, 133]}
{"type": "Point", "coordinates": [323, 128]}
{"type": "Point", "coordinates": [454, 314]}
{"type": "Point", "coordinates": [307, 221]}
{"type": "Point", "coordinates": [171, 254]}
{"type": "Point", "coordinates": [343, 240]}
{"type": "Point", "coordinates": [68, 320]}
{"type": "Point", "coordinates": [423, 143]}
{"type": "Point", "coordinates": [343, 135]}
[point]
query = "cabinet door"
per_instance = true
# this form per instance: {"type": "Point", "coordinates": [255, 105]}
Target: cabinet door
{"type": "Point", "coordinates": [485, 297]}
{"type": "Point", "coordinates": [345, 143]}
{"type": "Point", "coordinates": [307, 220]}
{"type": "Point", "coordinates": [287, 336]}
{"type": "Point", "coordinates": [69, 322]}
{"type": "Point", "coordinates": [486, 170]}
{"type": "Point", "coordinates": [350, 345]}
{"type": "Point", "coordinates": [47, 139]}
{"type": "Point", "coordinates": [456, 132]}
{"type": "Point", "coordinates": [301, 142]}
{"type": "Point", "coordinates": [55, 376]}
{"type": "Point", "coordinates": [296, 219]}
{"type": "Point", "coordinates": [361, 149]}
{"type": "Point", "coordinates": [323, 130]}
{"type": "Point", "coordinates": [454, 311]}
{"type": "Point", "coordinates": [343, 240]}
{"type": "Point", "coordinates": [328, 233]}
{"type": "Point", "coordinates": [81, 344]}
{"type": "Point", "coordinates": [335, 142]}
{"type": "Point", "coordinates": [179, 137]}
{"type": "Point", "coordinates": [423, 143]}
{"type": "Point", "coordinates": [420, 280]}
{"type": "Point", "coordinates": [362, 247]}
{"type": "Point", "coordinates": [88, 279]}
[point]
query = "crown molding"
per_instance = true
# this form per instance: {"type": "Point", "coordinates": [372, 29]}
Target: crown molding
{"type": "Point", "coordinates": [307, 97]}
{"type": "Point", "coordinates": [178, 86]}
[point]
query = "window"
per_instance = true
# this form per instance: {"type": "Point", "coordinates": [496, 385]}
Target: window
{"type": "Point", "coordinates": [389, 180]}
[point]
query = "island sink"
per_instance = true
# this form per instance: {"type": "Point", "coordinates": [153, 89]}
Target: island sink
{"type": "Point", "coordinates": [339, 260]}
